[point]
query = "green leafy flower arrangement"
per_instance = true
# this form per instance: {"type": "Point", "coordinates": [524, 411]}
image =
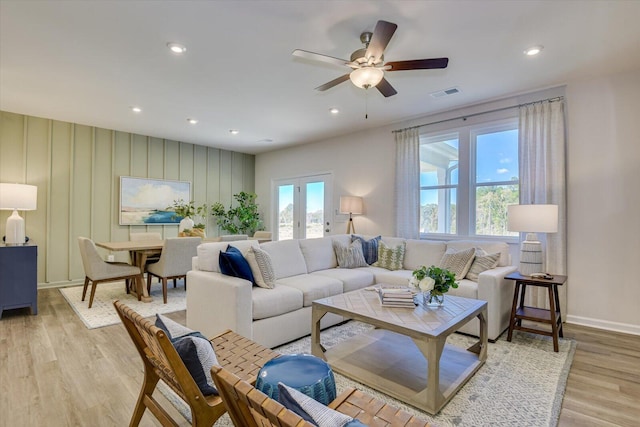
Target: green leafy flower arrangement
{"type": "Point", "coordinates": [435, 279]}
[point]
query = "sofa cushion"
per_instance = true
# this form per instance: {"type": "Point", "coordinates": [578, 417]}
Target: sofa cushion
{"type": "Point", "coordinates": [369, 247]}
{"type": "Point", "coordinates": [318, 253]}
{"type": "Point", "coordinates": [481, 262]}
{"type": "Point", "coordinates": [382, 275]}
{"type": "Point", "coordinates": [350, 256]}
{"type": "Point", "coordinates": [313, 286]}
{"type": "Point", "coordinates": [458, 262]}
{"type": "Point", "coordinates": [274, 302]}
{"type": "Point", "coordinates": [286, 257]}
{"type": "Point", "coordinates": [390, 257]}
{"type": "Point", "coordinates": [209, 253]}
{"type": "Point", "coordinates": [233, 263]}
{"type": "Point", "coordinates": [466, 288]}
{"type": "Point", "coordinates": [352, 279]}
{"type": "Point", "coordinates": [488, 247]}
{"type": "Point", "coordinates": [261, 267]}
{"type": "Point", "coordinates": [423, 252]}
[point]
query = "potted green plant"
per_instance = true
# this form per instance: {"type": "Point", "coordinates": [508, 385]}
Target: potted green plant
{"type": "Point", "coordinates": [188, 211]}
{"type": "Point", "coordinates": [244, 218]}
{"type": "Point", "coordinates": [434, 282]}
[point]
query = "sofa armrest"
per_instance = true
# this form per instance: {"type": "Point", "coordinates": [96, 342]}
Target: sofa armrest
{"type": "Point", "coordinates": [216, 302]}
{"type": "Point", "coordinates": [498, 292]}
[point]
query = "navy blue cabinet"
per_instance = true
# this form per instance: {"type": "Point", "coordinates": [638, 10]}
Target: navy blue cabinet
{"type": "Point", "coordinates": [19, 277]}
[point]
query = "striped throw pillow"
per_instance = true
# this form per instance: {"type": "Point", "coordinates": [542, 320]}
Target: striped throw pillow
{"type": "Point", "coordinates": [458, 262]}
{"type": "Point", "coordinates": [482, 262]}
{"type": "Point", "coordinates": [351, 256]}
{"type": "Point", "coordinates": [261, 267]}
{"type": "Point", "coordinates": [369, 248]}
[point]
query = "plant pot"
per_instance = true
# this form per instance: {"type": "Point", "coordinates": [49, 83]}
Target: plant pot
{"type": "Point", "coordinates": [185, 224]}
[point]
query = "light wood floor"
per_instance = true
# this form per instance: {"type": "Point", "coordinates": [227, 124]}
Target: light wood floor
{"type": "Point", "coordinates": [55, 372]}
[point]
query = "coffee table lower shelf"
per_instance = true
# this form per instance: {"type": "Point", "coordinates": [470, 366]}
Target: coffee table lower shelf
{"type": "Point", "coordinates": [393, 364]}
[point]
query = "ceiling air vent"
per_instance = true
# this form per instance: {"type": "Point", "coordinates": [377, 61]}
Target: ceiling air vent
{"type": "Point", "coordinates": [445, 92]}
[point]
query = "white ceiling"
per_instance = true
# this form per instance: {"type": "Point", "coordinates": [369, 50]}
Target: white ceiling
{"type": "Point", "coordinates": [88, 61]}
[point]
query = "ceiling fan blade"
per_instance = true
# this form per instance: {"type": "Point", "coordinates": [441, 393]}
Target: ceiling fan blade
{"type": "Point", "coordinates": [385, 88]}
{"type": "Point", "coordinates": [333, 83]}
{"type": "Point", "coordinates": [319, 57]}
{"type": "Point", "coordinates": [417, 64]}
{"type": "Point", "coordinates": [381, 35]}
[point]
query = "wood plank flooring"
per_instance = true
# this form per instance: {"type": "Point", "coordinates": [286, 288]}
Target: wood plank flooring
{"type": "Point", "coordinates": [55, 372]}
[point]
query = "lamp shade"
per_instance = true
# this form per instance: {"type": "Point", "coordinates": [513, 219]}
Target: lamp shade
{"type": "Point", "coordinates": [20, 197]}
{"type": "Point", "coordinates": [532, 218]}
{"type": "Point", "coordinates": [350, 205]}
{"type": "Point", "coordinates": [366, 77]}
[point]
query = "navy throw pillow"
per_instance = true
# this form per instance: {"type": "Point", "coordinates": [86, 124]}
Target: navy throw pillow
{"type": "Point", "coordinates": [232, 263]}
{"type": "Point", "coordinates": [369, 248]}
{"type": "Point", "coordinates": [198, 356]}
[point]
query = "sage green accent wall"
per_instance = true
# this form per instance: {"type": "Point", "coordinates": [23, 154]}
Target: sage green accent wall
{"type": "Point", "coordinates": [77, 170]}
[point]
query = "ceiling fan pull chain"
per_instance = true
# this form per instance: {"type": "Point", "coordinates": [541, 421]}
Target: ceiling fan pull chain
{"type": "Point", "coordinates": [366, 103]}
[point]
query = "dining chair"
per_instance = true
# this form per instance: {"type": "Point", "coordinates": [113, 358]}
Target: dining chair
{"type": "Point", "coordinates": [162, 362]}
{"type": "Point", "coordinates": [263, 236]}
{"type": "Point", "coordinates": [233, 237]}
{"type": "Point", "coordinates": [249, 407]}
{"type": "Point", "coordinates": [139, 237]}
{"type": "Point", "coordinates": [97, 270]}
{"type": "Point", "coordinates": [174, 263]}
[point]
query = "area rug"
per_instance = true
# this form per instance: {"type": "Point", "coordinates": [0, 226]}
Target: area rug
{"type": "Point", "coordinates": [102, 313]}
{"type": "Point", "coordinates": [522, 382]}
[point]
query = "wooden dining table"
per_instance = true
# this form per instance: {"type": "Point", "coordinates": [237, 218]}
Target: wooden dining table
{"type": "Point", "coordinates": [140, 251]}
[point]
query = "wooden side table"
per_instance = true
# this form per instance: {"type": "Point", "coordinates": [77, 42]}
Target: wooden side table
{"type": "Point", "coordinates": [520, 312]}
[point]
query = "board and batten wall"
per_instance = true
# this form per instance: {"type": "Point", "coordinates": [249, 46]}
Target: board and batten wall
{"type": "Point", "coordinates": [77, 170]}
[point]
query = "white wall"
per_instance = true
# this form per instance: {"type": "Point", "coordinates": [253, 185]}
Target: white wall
{"type": "Point", "coordinates": [603, 162]}
{"type": "Point", "coordinates": [604, 202]}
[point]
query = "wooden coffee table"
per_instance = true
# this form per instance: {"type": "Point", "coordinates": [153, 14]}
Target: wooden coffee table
{"type": "Point", "coordinates": [406, 356]}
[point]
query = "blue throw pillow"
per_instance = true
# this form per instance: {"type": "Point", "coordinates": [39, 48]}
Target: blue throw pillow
{"type": "Point", "coordinates": [369, 248]}
{"type": "Point", "coordinates": [312, 410]}
{"type": "Point", "coordinates": [232, 263]}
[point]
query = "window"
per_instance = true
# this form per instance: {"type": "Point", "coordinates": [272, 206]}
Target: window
{"type": "Point", "coordinates": [468, 176]}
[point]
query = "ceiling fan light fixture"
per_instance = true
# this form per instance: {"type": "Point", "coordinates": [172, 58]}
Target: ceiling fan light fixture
{"type": "Point", "coordinates": [366, 77]}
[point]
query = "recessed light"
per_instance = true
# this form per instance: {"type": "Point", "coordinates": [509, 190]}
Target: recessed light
{"type": "Point", "coordinates": [192, 121]}
{"type": "Point", "coordinates": [136, 109]}
{"type": "Point", "coordinates": [177, 48]}
{"type": "Point", "coordinates": [334, 110]}
{"type": "Point", "coordinates": [234, 131]}
{"type": "Point", "coordinates": [533, 50]}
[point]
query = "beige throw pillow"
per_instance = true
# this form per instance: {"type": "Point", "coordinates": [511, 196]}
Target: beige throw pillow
{"type": "Point", "coordinates": [458, 262]}
{"type": "Point", "coordinates": [482, 262]}
{"type": "Point", "coordinates": [261, 267]}
{"type": "Point", "coordinates": [349, 256]}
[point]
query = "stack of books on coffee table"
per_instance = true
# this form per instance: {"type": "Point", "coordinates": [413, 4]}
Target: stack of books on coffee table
{"type": "Point", "coordinates": [396, 297]}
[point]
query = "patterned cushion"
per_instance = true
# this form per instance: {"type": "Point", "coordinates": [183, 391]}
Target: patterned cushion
{"type": "Point", "coordinates": [482, 262]}
{"type": "Point", "coordinates": [369, 248]}
{"type": "Point", "coordinates": [390, 258]}
{"type": "Point", "coordinates": [232, 263]}
{"type": "Point", "coordinates": [458, 262]}
{"type": "Point", "coordinates": [195, 351]}
{"type": "Point", "coordinates": [312, 410]}
{"type": "Point", "coordinates": [261, 267]}
{"type": "Point", "coordinates": [351, 256]}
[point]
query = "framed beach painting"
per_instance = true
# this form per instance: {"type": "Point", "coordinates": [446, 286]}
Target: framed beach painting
{"type": "Point", "coordinates": [144, 201]}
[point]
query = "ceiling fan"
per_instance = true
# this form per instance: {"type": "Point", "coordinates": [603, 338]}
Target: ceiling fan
{"type": "Point", "coordinates": [368, 63]}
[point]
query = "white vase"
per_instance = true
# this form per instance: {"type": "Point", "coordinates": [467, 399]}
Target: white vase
{"type": "Point", "coordinates": [185, 224]}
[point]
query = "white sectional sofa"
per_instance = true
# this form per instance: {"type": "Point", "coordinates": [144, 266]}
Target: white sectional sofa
{"type": "Point", "coordinates": [307, 270]}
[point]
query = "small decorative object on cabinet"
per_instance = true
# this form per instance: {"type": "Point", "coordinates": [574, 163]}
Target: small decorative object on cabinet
{"type": "Point", "coordinates": [19, 277]}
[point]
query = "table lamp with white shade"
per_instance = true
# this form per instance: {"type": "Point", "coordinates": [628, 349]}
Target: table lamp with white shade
{"type": "Point", "coordinates": [17, 197]}
{"type": "Point", "coordinates": [351, 205]}
{"type": "Point", "coordinates": [532, 219]}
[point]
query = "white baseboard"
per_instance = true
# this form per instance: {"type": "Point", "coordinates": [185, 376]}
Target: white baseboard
{"type": "Point", "coordinates": [604, 324]}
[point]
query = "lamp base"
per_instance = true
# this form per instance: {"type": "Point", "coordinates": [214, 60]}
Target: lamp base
{"type": "Point", "coordinates": [350, 227]}
{"type": "Point", "coordinates": [15, 230]}
{"type": "Point", "coordinates": [531, 260]}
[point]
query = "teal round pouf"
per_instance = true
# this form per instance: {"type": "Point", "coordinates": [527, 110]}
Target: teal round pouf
{"type": "Point", "coordinates": [304, 372]}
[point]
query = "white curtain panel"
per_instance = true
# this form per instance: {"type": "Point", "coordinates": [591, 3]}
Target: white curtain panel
{"type": "Point", "coordinates": [407, 203]}
{"type": "Point", "coordinates": [542, 181]}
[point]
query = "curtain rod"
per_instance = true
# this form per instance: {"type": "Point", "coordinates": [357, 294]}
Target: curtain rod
{"type": "Point", "coordinates": [465, 117]}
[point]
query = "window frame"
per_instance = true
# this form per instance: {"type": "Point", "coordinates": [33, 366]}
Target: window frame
{"type": "Point", "coordinates": [467, 170]}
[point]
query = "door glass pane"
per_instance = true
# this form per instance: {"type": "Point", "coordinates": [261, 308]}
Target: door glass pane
{"type": "Point", "coordinates": [438, 211]}
{"type": "Point", "coordinates": [315, 209]}
{"type": "Point", "coordinates": [285, 212]}
{"type": "Point", "coordinates": [491, 209]}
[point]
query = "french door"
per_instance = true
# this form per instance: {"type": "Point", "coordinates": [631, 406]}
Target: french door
{"type": "Point", "coordinates": [302, 207]}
